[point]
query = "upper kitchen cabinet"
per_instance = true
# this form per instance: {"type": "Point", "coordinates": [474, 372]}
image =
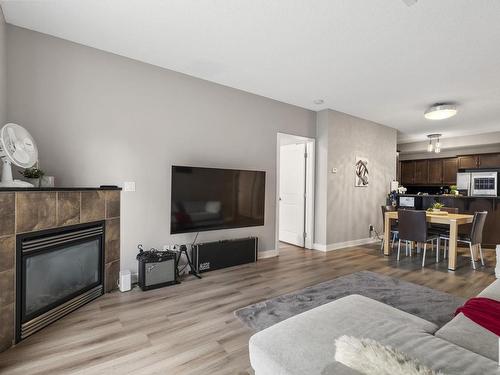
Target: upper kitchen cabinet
{"type": "Point", "coordinates": [436, 171]}
{"type": "Point", "coordinates": [408, 172]}
{"type": "Point", "coordinates": [489, 161]}
{"type": "Point", "coordinates": [479, 161]}
{"type": "Point", "coordinates": [450, 169]}
{"type": "Point", "coordinates": [421, 172]}
{"type": "Point", "coordinates": [468, 162]}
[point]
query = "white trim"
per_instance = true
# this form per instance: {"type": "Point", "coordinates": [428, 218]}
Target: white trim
{"type": "Point", "coordinates": [268, 254]}
{"type": "Point", "coordinates": [342, 245]}
{"type": "Point", "coordinates": [310, 199]}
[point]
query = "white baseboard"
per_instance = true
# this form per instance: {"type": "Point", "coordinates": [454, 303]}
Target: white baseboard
{"type": "Point", "coordinates": [268, 254]}
{"type": "Point", "coordinates": [342, 245]}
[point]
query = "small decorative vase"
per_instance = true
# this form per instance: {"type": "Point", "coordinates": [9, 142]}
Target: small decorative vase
{"type": "Point", "coordinates": [47, 181]}
{"type": "Point", "coordinates": [497, 268]}
{"type": "Point", "coordinates": [36, 182]}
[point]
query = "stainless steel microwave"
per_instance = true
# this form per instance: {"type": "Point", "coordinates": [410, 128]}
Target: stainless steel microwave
{"type": "Point", "coordinates": [478, 183]}
{"type": "Point", "coordinates": [484, 183]}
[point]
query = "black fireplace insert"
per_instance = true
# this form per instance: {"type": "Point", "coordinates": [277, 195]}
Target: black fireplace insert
{"type": "Point", "coordinates": [58, 271]}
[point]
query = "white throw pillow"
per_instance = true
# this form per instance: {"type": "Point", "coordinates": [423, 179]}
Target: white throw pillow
{"type": "Point", "coordinates": [213, 207]}
{"type": "Point", "coordinates": [372, 358]}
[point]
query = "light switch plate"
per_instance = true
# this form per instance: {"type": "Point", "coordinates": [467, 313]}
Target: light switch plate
{"type": "Point", "coordinates": [334, 170]}
{"type": "Point", "coordinates": [129, 186]}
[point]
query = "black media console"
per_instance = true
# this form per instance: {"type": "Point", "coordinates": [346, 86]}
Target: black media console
{"type": "Point", "coordinates": [211, 256]}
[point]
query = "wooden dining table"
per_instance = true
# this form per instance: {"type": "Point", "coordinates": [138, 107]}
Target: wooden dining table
{"type": "Point", "coordinates": [453, 220]}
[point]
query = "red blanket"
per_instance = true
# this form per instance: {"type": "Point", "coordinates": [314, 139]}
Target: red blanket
{"type": "Point", "coordinates": [483, 311]}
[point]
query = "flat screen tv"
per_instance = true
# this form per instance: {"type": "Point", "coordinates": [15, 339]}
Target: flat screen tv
{"type": "Point", "coordinates": [211, 198]}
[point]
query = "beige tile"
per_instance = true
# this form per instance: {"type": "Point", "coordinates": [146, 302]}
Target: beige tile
{"type": "Point", "coordinates": [7, 326]}
{"type": "Point", "coordinates": [112, 243]}
{"type": "Point", "coordinates": [111, 276]}
{"type": "Point", "coordinates": [112, 203]}
{"type": "Point", "coordinates": [7, 287]}
{"type": "Point", "coordinates": [7, 213]}
{"type": "Point", "coordinates": [68, 208]}
{"type": "Point", "coordinates": [7, 253]}
{"type": "Point", "coordinates": [35, 211]}
{"type": "Point", "coordinates": [93, 206]}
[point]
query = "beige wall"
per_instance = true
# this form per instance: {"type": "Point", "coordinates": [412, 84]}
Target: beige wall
{"type": "Point", "coordinates": [99, 118]}
{"type": "Point", "coordinates": [3, 71]}
{"type": "Point", "coordinates": [349, 209]}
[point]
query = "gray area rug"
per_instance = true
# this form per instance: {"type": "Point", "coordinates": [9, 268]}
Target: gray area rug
{"type": "Point", "coordinates": [426, 303]}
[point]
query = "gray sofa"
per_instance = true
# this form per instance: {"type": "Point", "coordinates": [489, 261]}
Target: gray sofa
{"type": "Point", "coordinates": [305, 343]}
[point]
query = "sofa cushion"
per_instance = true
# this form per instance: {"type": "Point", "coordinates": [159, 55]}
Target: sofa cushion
{"type": "Point", "coordinates": [464, 332]}
{"type": "Point", "coordinates": [492, 291]}
{"type": "Point", "coordinates": [305, 343]}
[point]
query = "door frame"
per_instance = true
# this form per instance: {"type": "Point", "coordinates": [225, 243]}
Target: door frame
{"type": "Point", "coordinates": [310, 186]}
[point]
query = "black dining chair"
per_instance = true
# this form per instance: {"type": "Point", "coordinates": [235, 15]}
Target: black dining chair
{"type": "Point", "coordinates": [475, 237]}
{"type": "Point", "coordinates": [394, 226]}
{"type": "Point", "coordinates": [413, 228]}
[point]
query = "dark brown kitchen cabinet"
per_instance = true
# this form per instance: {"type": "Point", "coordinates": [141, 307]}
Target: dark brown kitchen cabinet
{"type": "Point", "coordinates": [435, 171]}
{"type": "Point", "coordinates": [407, 172]}
{"type": "Point", "coordinates": [468, 162]}
{"type": "Point", "coordinates": [450, 169]}
{"type": "Point", "coordinates": [421, 172]}
{"type": "Point", "coordinates": [489, 161]}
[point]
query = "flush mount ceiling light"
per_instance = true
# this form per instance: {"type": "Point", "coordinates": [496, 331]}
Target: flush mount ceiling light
{"type": "Point", "coordinates": [434, 143]}
{"type": "Point", "coordinates": [440, 111]}
{"type": "Point", "coordinates": [318, 101]}
{"type": "Point", "coordinates": [410, 2]}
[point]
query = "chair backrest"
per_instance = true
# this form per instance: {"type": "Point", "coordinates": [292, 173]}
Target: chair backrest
{"type": "Point", "coordinates": [450, 210]}
{"type": "Point", "coordinates": [476, 233]}
{"type": "Point", "coordinates": [412, 225]}
{"type": "Point", "coordinates": [385, 209]}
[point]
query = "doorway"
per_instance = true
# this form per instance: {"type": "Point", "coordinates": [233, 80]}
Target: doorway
{"type": "Point", "coordinates": [295, 190]}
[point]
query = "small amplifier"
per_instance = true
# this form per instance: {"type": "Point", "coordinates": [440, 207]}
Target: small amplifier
{"type": "Point", "coordinates": [157, 269]}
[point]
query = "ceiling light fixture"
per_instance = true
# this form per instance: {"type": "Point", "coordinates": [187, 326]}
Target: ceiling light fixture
{"type": "Point", "coordinates": [410, 2]}
{"type": "Point", "coordinates": [440, 111]}
{"type": "Point", "coordinates": [434, 143]}
{"type": "Point", "coordinates": [318, 101]}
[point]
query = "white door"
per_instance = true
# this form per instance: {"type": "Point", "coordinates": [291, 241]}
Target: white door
{"type": "Point", "coordinates": [292, 193]}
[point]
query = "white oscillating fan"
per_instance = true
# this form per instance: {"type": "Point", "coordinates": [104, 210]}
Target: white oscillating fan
{"type": "Point", "coordinates": [16, 147]}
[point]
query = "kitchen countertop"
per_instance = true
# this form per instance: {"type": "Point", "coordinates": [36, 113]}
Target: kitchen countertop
{"type": "Point", "coordinates": [2, 189]}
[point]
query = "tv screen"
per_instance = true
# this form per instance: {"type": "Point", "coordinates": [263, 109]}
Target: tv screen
{"type": "Point", "coordinates": [210, 198]}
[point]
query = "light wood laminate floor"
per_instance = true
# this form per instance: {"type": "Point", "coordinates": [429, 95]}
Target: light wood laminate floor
{"type": "Point", "coordinates": [190, 328]}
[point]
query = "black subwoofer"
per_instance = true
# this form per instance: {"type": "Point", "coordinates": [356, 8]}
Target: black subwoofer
{"type": "Point", "coordinates": [211, 256]}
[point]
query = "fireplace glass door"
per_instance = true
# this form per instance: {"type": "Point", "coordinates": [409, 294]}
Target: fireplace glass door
{"type": "Point", "coordinates": [56, 275]}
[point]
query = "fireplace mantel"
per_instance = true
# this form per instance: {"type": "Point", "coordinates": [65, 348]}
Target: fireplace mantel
{"type": "Point", "coordinates": [30, 210]}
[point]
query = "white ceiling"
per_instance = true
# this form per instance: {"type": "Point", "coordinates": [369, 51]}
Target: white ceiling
{"type": "Point", "coordinates": [376, 59]}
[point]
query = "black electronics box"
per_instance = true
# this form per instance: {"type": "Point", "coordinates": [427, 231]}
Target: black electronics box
{"type": "Point", "coordinates": [157, 269]}
{"type": "Point", "coordinates": [227, 253]}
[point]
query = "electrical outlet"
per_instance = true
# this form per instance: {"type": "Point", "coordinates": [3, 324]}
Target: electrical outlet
{"type": "Point", "coordinates": [129, 186]}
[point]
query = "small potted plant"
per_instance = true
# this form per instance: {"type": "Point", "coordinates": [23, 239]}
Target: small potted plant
{"type": "Point", "coordinates": [33, 175]}
{"type": "Point", "coordinates": [436, 207]}
{"type": "Point", "coordinates": [453, 190]}
{"type": "Point", "coordinates": [392, 198]}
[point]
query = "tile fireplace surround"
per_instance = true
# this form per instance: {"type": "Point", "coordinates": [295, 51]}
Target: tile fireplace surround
{"type": "Point", "coordinates": [31, 210]}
